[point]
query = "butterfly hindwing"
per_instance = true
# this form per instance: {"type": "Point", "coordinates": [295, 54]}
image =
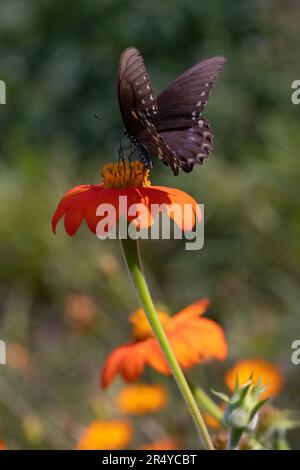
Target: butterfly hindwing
{"type": "Point", "coordinates": [191, 145]}
{"type": "Point", "coordinates": [157, 144]}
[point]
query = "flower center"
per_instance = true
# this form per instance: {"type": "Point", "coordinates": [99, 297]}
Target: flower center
{"type": "Point", "coordinates": [125, 175]}
{"type": "Point", "coordinates": [141, 328]}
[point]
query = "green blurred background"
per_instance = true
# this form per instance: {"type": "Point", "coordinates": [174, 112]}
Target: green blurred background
{"type": "Point", "coordinates": [59, 59]}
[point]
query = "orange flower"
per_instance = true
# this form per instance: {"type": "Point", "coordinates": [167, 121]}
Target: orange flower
{"type": "Point", "coordinates": [80, 311]}
{"type": "Point", "coordinates": [106, 435]}
{"type": "Point", "coordinates": [163, 444]}
{"type": "Point", "coordinates": [211, 421]}
{"type": "Point", "coordinates": [20, 358]}
{"type": "Point", "coordinates": [260, 368]}
{"type": "Point", "coordinates": [2, 445]}
{"type": "Point", "coordinates": [130, 180]}
{"type": "Point", "coordinates": [193, 339]}
{"type": "Point", "coordinates": [142, 398]}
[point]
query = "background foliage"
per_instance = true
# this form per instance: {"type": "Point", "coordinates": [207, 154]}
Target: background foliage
{"type": "Point", "coordinates": [59, 62]}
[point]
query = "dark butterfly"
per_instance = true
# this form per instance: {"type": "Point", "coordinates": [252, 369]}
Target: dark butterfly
{"type": "Point", "coordinates": [170, 125]}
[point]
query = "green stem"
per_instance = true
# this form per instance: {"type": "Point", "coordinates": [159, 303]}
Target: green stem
{"type": "Point", "coordinates": [235, 436]}
{"type": "Point", "coordinates": [207, 404]}
{"type": "Point", "coordinates": [132, 257]}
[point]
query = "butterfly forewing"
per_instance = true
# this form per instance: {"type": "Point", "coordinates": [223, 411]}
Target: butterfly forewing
{"type": "Point", "coordinates": [134, 90]}
{"type": "Point", "coordinates": [183, 101]}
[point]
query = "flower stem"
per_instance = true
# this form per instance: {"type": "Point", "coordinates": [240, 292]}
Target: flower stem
{"type": "Point", "coordinates": [234, 438]}
{"type": "Point", "coordinates": [132, 258]}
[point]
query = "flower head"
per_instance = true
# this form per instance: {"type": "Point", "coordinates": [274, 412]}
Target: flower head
{"type": "Point", "coordinates": [80, 311]}
{"type": "Point", "coordinates": [193, 339]}
{"type": "Point", "coordinates": [110, 435]}
{"type": "Point", "coordinates": [144, 201]}
{"type": "Point", "coordinates": [256, 368]}
{"type": "Point", "coordinates": [141, 399]}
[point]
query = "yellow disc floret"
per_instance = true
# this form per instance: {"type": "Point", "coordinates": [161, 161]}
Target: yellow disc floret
{"type": "Point", "coordinates": [125, 175]}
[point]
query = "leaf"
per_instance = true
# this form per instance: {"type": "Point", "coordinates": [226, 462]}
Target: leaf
{"type": "Point", "coordinates": [257, 407]}
{"type": "Point", "coordinates": [220, 395]}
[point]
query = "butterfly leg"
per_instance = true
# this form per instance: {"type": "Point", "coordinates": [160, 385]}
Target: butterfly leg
{"type": "Point", "coordinates": [122, 149]}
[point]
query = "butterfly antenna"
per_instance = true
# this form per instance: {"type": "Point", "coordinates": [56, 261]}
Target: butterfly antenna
{"type": "Point", "coordinates": [106, 120]}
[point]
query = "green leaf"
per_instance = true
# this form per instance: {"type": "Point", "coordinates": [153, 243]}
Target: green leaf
{"type": "Point", "coordinates": [257, 408]}
{"type": "Point", "coordinates": [220, 395]}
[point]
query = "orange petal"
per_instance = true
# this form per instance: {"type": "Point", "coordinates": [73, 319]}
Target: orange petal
{"type": "Point", "coordinates": [185, 220]}
{"type": "Point", "coordinates": [129, 361]}
{"type": "Point", "coordinates": [73, 218]}
{"type": "Point", "coordinates": [94, 200]}
{"type": "Point", "coordinates": [156, 358]}
{"type": "Point", "coordinates": [132, 366]}
{"type": "Point", "coordinates": [111, 365]}
{"type": "Point", "coordinates": [72, 200]}
{"type": "Point", "coordinates": [212, 343]}
{"type": "Point", "coordinates": [195, 309]}
{"type": "Point", "coordinates": [186, 354]}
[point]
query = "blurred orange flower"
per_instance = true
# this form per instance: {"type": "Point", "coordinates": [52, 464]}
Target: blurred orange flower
{"type": "Point", "coordinates": [2, 445]}
{"type": "Point", "coordinates": [80, 311]}
{"type": "Point", "coordinates": [140, 399]}
{"type": "Point", "coordinates": [211, 421]}
{"type": "Point", "coordinates": [123, 179]}
{"type": "Point", "coordinates": [20, 358]}
{"type": "Point", "coordinates": [260, 368]}
{"type": "Point", "coordinates": [193, 339]}
{"type": "Point", "coordinates": [106, 435]}
{"type": "Point", "coordinates": [163, 444]}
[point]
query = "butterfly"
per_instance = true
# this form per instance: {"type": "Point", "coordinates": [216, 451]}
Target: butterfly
{"type": "Point", "coordinates": [171, 124]}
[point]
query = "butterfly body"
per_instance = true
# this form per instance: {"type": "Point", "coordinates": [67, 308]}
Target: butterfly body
{"type": "Point", "coordinates": [170, 125]}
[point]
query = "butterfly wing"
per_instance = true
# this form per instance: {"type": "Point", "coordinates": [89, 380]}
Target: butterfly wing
{"type": "Point", "coordinates": [135, 92]}
{"type": "Point", "coordinates": [171, 125]}
{"type": "Point", "coordinates": [183, 101]}
{"type": "Point", "coordinates": [190, 146]}
{"type": "Point", "coordinates": [155, 143]}
{"type": "Point", "coordinates": [179, 119]}
{"type": "Point", "coordinates": [138, 106]}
